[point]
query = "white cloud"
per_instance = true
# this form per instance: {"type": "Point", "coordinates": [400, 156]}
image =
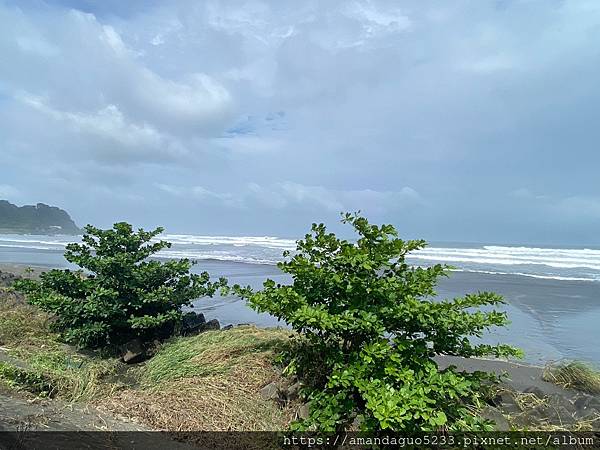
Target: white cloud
{"type": "Point", "coordinates": [141, 141]}
{"type": "Point", "coordinates": [200, 194]}
{"type": "Point", "coordinates": [294, 195]}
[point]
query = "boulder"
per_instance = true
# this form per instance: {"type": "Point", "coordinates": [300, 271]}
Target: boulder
{"type": "Point", "coordinates": [7, 279]}
{"type": "Point", "coordinates": [192, 323]}
{"type": "Point", "coordinates": [212, 324]}
{"type": "Point", "coordinates": [134, 352]}
{"type": "Point", "coordinates": [227, 327]}
{"type": "Point", "coordinates": [496, 416]}
{"type": "Point", "coordinates": [535, 391]}
{"type": "Point", "coordinates": [505, 401]}
{"type": "Point", "coordinates": [303, 411]}
{"type": "Point", "coordinates": [293, 392]}
{"type": "Point", "coordinates": [270, 392]}
{"type": "Point", "coordinates": [586, 406]}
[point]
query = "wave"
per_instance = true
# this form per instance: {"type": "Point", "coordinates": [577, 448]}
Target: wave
{"type": "Point", "coordinates": [174, 254]}
{"type": "Point", "coordinates": [545, 263]}
{"type": "Point", "coordinates": [33, 247]}
{"type": "Point", "coordinates": [530, 275]}
{"type": "Point", "coordinates": [237, 241]}
{"type": "Point", "coordinates": [556, 258]}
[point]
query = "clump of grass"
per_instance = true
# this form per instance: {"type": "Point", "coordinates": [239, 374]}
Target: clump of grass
{"type": "Point", "coordinates": [574, 375]}
{"type": "Point", "coordinates": [22, 379]}
{"type": "Point", "coordinates": [20, 323]}
{"type": "Point", "coordinates": [212, 353]}
{"type": "Point", "coordinates": [25, 336]}
{"type": "Point", "coordinates": [209, 382]}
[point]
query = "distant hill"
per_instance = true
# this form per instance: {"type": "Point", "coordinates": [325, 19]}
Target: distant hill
{"type": "Point", "coordinates": [38, 219]}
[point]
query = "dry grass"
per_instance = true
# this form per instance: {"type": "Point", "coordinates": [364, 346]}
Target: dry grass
{"type": "Point", "coordinates": [574, 375]}
{"type": "Point", "coordinates": [25, 336]}
{"type": "Point", "coordinates": [209, 382]}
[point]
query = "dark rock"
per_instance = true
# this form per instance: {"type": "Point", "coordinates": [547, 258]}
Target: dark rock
{"type": "Point", "coordinates": [562, 416]}
{"type": "Point", "coordinates": [535, 391]}
{"type": "Point", "coordinates": [7, 279]}
{"type": "Point", "coordinates": [496, 416]}
{"type": "Point", "coordinates": [227, 327]}
{"type": "Point", "coordinates": [505, 401]}
{"type": "Point", "coordinates": [192, 323]}
{"type": "Point", "coordinates": [243, 325]}
{"type": "Point", "coordinates": [212, 324]}
{"type": "Point", "coordinates": [134, 352]}
{"type": "Point", "coordinates": [270, 392]}
{"type": "Point", "coordinates": [587, 407]}
{"type": "Point", "coordinates": [293, 392]}
{"type": "Point", "coordinates": [557, 400]}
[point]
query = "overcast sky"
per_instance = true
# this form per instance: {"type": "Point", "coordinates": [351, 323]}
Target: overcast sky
{"type": "Point", "coordinates": [454, 120]}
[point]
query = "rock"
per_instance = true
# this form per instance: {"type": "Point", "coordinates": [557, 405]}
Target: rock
{"type": "Point", "coordinates": [212, 324]}
{"type": "Point", "coordinates": [560, 415]}
{"type": "Point", "coordinates": [134, 352]}
{"type": "Point", "coordinates": [535, 391]}
{"type": "Point", "coordinates": [586, 406]}
{"type": "Point", "coordinates": [496, 416]}
{"type": "Point", "coordinates": [227, 327]}
{"type": "Point", "coordinates": [270, 392]}
{"type": "Point", "coordinates": [7, 279]}
{"type": "Point", "coordinates": [192, 323]}
{"type": "Point", "coordinates": [293, 392]}
{"type": "Point", "coordinates": [303, 411]}
{"type": "Point", "coordinates": [505, 401]}
{"type": "Point", "coordinates": [557, 400]}
{"type": "Point", "coordinates": [243, 325]}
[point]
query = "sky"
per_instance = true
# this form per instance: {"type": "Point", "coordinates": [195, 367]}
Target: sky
{"type": "Point", "coordinates": [454, 121]}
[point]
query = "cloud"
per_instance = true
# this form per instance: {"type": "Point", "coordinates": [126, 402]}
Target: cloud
{"type": "Point", "coordinates": [423, 115]}
{"type": "Point", "coordinates": [199, 194]}
{"type": "Point", "coordinates": [124, 139]}
{"type": "Point", "coordinates": [97, 85]}
{"type": "Point", "coordinates": [295, 195]}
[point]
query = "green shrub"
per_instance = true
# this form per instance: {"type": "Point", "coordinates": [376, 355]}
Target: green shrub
{"type": "Point", "coordinates": [369, 328]}
{"type": "Point", "coordinates": [122, 294]}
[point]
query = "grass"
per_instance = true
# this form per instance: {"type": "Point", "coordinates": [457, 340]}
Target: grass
{"type": "Point", "coordinates": [209, 382]}
{"type": "Point", "coordinates": [574, 375]}
{"type": "Point", "coordinates": [26, 338]}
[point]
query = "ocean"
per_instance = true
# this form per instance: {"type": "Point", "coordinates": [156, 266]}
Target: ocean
{"type": "Point", "coordinates": [552, 294]}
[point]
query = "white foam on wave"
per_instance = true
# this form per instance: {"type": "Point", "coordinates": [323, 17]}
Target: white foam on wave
{"type": "Point", "coordinates": [28, 243]}
{"type": "Point", "coordinates": [556, 258]}
{"type": "Point", "coordinates": [237, 241]}
{"type": "Point", "coordinates": [536, 262]}
{"type": "Point", "coordinates": [216, 256]}
{"type": "Point", "coordinates": [33, 247]}
{"type": "Point", "coordinates": [530, 275]}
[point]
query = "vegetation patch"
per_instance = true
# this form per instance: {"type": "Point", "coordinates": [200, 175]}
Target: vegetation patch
{"type": "Point", "coordinates": [574, 375]}
{"type": "Point", "coordinates": [120, 293]}
{"type": "Point", "coordinates": [21, 379]}
{"type": "Point", "coordinates": [50, 367]}
{"type": "Point", "coordinates": [209, 382]}
{"type": "Point", "coordinates": [369, 326]}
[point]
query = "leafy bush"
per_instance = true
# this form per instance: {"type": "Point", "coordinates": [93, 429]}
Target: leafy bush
{"type": "Point", "coordinates": [369, 327]}
{"type": "Point", "coordinates": [122, 294]}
